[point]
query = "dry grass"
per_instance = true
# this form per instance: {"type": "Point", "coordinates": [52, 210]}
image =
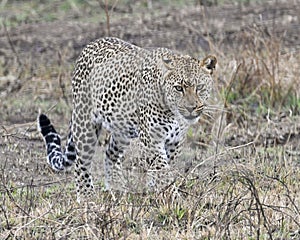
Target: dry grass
{"type": "Point", "coordinates": [254, 198]}
{"type": "Point", "coordinates": [238, 177]}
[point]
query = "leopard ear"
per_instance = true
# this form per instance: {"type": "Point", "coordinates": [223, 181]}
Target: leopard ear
{"type": "Point", "coordinates": [166, 65]}
{"type": "Point", "coordinates": [167, 62]}
{"type": "Point", "coordinates": [209, 63]}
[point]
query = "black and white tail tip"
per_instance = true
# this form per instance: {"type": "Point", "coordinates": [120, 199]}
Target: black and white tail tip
{"type": "Point", "coordinates": [58, 160]}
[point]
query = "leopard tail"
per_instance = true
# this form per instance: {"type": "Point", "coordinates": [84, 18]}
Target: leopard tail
{"type": "Point", "coordinates": [56, 158]}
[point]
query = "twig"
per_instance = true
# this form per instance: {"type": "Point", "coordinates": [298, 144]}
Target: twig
{"type": "Point", "coordinates": [233, 77]}
{"type": "Point", "coordinates": [107, 11]}
{"type": "Point", "coordinates": [12, 46]}
{"type": "Point", "coordinates": [30, 222]}
{"type": "Point", "coordinates": [61, 83]}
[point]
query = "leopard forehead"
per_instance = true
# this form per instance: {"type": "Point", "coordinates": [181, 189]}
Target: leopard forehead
{"type": "Point", "coordinates": [187, 71]}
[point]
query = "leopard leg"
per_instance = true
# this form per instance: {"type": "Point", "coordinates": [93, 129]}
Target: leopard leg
{"type": "Point", "coordinates": [154, 163]}
{"type": "Point", "coordinates": [113, 162]}
{"type": "Point", "coordinates": [173, 150]}
{"type": "Point", "coordinates": [159, 173]}
{"type": "Point", "coordinates": [85, 139]}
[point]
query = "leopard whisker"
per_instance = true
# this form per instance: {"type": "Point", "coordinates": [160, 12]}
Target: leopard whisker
{"type": "Point", "coordinates": [216, 108]}
{"type": "Point", "coordinates": [208, 115]}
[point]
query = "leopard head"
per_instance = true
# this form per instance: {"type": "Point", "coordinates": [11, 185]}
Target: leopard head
{"type": "Point", "coordinates": [187, 84]}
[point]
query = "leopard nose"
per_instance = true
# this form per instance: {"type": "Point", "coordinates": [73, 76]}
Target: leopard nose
{"type": "Point", "coordinates": [191, 108]}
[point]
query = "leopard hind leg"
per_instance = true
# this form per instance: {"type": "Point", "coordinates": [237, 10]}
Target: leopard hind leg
{"type": "Point", "coordinates": [114, 157]}
{"type": "Point", "coordinates": [85, 135]}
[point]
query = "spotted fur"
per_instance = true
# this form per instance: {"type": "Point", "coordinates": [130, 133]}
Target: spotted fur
{"type": "Point", "coordinates": [153, 95]}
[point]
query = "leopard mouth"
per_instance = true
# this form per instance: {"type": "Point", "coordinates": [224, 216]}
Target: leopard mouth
{"type": "Point", "coordinates": [191, 117]}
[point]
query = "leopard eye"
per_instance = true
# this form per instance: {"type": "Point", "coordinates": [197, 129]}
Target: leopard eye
{"type": "Point", "coordinates": [200, 88]}
{"type": "Point", "coordinates": [178, 88]}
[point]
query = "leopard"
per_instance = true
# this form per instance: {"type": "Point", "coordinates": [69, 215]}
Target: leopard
{"type": "Point", "coordinates": [150, 94]}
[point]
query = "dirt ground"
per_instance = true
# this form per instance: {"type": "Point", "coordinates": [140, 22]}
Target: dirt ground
{"type": "Point", "coordinates": [37, 55]}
